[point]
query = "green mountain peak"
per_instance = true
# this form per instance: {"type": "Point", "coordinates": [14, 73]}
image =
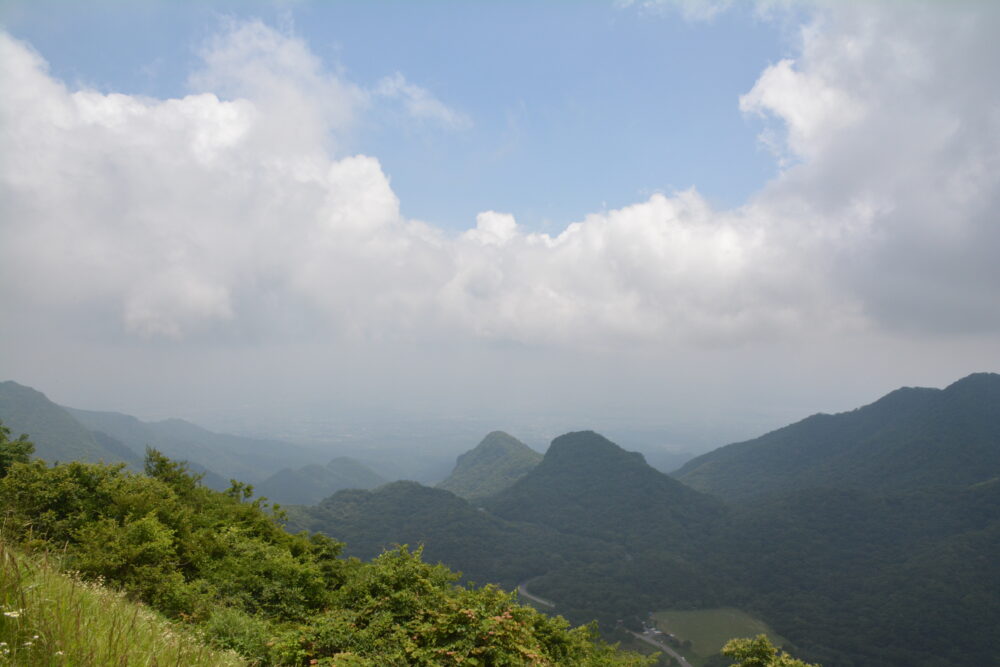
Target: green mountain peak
{"type": "Point", "coordinates": [498, 461]}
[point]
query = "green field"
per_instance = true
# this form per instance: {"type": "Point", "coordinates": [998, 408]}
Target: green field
{"type": "Point", "coordinates": [709, 629]}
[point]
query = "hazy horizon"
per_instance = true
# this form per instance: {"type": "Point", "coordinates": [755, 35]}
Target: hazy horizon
{"type": "Point", "coordinates": [681, 222]}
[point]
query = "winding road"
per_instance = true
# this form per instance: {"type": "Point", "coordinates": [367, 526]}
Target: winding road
{"type": "Point", "coordinates": [522, 590]}
{"type": "Point", "coordinates": [666, 648]}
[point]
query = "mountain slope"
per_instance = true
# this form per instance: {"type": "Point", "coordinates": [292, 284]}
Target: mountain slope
{"type": "Point", "coordinates": [312, 483]}
{"type": "Point", "coordinates": [492, 466]}
{"type": "Point", "coordinates": [56, 434]}
{"type": "Point", "coordinates": [231, 456]}
{"type": "Point", "coordinates": [484, 547]}
{"type": "Point", "coordinates": [590, 486]}
{"type": "Point", "coordinates": [907, 440]}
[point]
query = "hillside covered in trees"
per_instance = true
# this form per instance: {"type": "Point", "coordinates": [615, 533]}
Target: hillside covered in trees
{"type": "Point", "coordinates": [871, 537]}
{"type": "Point", "coordinates": [491, 466]}
{"type": "Point", "coordinates": [223, 564]}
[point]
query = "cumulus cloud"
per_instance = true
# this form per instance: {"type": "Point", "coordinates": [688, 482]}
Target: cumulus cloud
{"type": "Point", "coordinates": [232, 210]}
{"type": "Point", "coordinates": [893, 116]}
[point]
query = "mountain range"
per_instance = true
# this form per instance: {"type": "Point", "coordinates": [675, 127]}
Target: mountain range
{"type": "Point", "coordinates": [910, 439]}
{"type": "Point", "coordinates": [867, 537]}
{"type": "Point", "coordinates": [69, 434]}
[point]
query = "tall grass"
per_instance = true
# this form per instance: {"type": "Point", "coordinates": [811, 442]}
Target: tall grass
{"type": "Point", "coordinates": [50, 618]}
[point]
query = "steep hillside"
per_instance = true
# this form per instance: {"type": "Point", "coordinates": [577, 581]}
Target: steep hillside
{"type": "Point", "coordinates": [492, 466]}
{"type": "Point", "coordinates": [232, 457]}
{"type": "Point", "coordinates": [907, 440]}
{"type": "Point", "coordinates": [56, 434]}
{"type": "Point", "coordinates": [312, 483]}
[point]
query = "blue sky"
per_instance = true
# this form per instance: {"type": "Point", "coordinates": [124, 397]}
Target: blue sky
{"type": "Point", "coordinates": [699, 219]}
{"type": "Point", "coordinates": [573, 107]}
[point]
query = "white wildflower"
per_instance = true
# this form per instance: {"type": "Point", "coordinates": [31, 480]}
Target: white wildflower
{"type": "Point", "coordinates": [12, 614]}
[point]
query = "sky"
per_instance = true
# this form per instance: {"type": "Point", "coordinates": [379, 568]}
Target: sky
{"type": "Point", "coordinates": [695, 220]}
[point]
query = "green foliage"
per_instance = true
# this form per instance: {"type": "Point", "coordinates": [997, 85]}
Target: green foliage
{"type": "Point", "coordinates": [224, 562]}
{"type": "Point", "coordinates": [13, 451]}
{"type": "Point", "coordinates": [398, 610]}
{"type": "Point", "coordinates": [759, 652]}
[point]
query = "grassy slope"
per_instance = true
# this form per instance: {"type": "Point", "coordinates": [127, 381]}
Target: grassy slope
{"type": "Point", "coordinates": [50, 618]}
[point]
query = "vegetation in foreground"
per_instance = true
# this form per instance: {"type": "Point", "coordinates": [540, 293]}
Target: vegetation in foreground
{"type": "Point", "coordinates": [51, 618]}
{"type": "Point", "coordinates": [223, 566]}
{"type": "Point", "coordinates": [759, 652]}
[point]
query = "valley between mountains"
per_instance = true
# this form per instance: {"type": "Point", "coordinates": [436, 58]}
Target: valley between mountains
{"type": "Point", "coordinates": [869, 537]}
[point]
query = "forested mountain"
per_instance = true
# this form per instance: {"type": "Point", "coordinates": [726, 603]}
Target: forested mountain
{"type": "Point", "coordinates": [485, 548]}
{"type": "Point", "coordinates": [56, 434]}
{"type": "Point", "coordinates": [858, 578]}
{"type": "Point", "coordinates": [592, 526]}
{"type": "Point", "coordinates": [908, 440]}
{"type": "Point", "coordinates": [312, 483]}
{"type": "Point", "coordinates": [230, 456]}
{"type": "Point", "coordinates": [882, 548]}
{"type": "Point", "coordinates": [493, 465]}
{"type": "Point", "coordinates": [590, 486]}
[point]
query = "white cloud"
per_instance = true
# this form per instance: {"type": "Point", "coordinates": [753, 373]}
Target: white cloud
{"type": "Point", "coordinates": [230, 210]}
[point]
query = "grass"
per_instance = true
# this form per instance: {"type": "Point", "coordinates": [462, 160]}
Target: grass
{"type": "Point", "coordinates": [709, 629]}
{"type": "Point", "coordinates": [50, 618]}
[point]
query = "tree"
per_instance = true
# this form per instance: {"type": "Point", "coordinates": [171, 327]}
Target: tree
{"type": "Point", "coordinates": [13, 451]}
{"type": "Point", "coordinates": [759, 652]}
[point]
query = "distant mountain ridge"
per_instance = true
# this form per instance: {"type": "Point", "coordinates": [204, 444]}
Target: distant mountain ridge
{"type": "Point", "coordinates": [312, 483]}
{"type": "Point", "coordinates": [494, 464]}
{"type": "Point", "coordinates": [69, 434]}
{"type": "Point", "coordinates": [231, 457]}
{"type": "Point", "coordinates": [909, 439]}
{"type": "Point", "coordinates": [57, 435]}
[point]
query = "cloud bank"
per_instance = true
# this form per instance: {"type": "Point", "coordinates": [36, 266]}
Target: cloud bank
{"type": "Point", "coordinates": [232, 213]}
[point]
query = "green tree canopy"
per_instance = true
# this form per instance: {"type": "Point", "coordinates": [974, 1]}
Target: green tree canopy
{"type": "Point", "coordinates": [759, 652]}
{"type": "Point", "coordinates": [13, 451]}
